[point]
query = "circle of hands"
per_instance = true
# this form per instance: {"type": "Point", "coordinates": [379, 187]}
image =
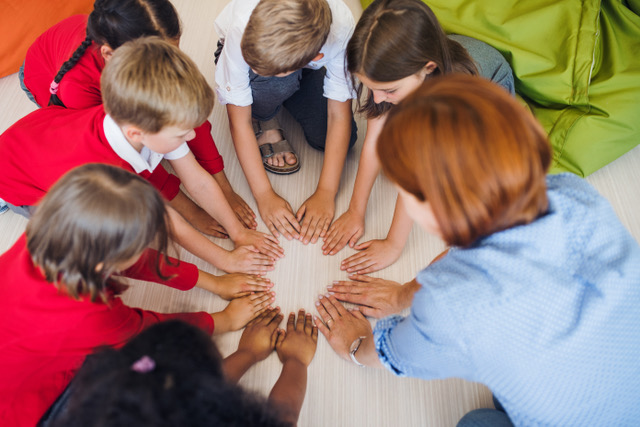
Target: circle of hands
{"type": "Point", "coordinates": [251, 295]}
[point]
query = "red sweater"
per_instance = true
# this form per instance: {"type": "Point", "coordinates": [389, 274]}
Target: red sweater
{"type": "Point", "coordinates": [46, 335]}
{"type": "Point", "coordinates": [41, 147]}
{"type": "Point", "coordinates": [80, 86]}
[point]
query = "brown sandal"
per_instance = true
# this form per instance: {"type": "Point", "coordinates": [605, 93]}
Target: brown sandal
{"type": "Point", "coordinates": [270, 149]}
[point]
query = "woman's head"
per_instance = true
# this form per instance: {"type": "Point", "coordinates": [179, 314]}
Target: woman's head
{"type": "Point", "coordinates": [169, 375]}
{"type": "Point", "coordinates": [464, 146]}
{"type": "Point", "coordinates": [93, 222]}
{"type": "Point", "coordinates": [397, 39]}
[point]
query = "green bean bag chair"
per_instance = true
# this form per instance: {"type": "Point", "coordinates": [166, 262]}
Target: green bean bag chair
{"type": "Point", "coordinates": [575, 63]}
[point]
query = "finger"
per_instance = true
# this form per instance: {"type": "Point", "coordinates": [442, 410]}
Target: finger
{"type": "Point", "coordinates": [308, 229]}
{"type": "Point", "coordinates": [301, 212]}
{"type": "Point", "coordinates": [292, 219]}
{"type": "Point", "coordinates": [258, 297]}
{"type": "Point", "coordinates": [332, 233]}
{"type": "Point", "coordinates": [354, 239]}
{"type": "Point", "coordinates": [338, 244]}
{"type": "Point", "coordinates": [272, 228]}
{"type": "Point", "coordinates": [330, 307]}
{"type": "Point", "coordinates": [291, 326]}
{"type": "Point", "coordinates": [280, 335]}
{"type": "Point", "coordinates": [361, 278]}
{"type": "Point", "coordinates": [300, 321]}
{"type": "Point", "coordinates": [358, 314]}
{"type": "Point", "coordinates": [344, 287]}
{"type": "Point", "coordinates": [269, 315]}
{"type": "Point", "coordinates": [335, 305]}
{"type": "Point", "coordinates": [363, 246]}
{"type": "Point", "coordinates": [369, 311]}
{"type": "Point", "coordinates": [325, 227]}
{"type": "Point", "coordinates": [319, 229]}
{"type": "Point", "coordinates": [358, 268]}
{"type": "Point", "coordinates": [353, 260]}
{"type": "Point", "coordinates": [361, 299]}
{"type": "Point", "coordinates": [308, 323]}
{"type": "Point", "coordinates": [370, 269]}
{"type": "Point", "coordinates": [314, 334]}
{"type": "Point", "coordinates": [322, 311]}
{"type": "Point", "coordinates": [322, 328]}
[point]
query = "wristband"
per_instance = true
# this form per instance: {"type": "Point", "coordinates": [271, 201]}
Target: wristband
{"type": "Point", "coordinates": [355, 345]}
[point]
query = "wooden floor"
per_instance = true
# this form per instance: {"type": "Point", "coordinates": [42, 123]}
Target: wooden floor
{"type": "Point", "coordinates": [339, 393]}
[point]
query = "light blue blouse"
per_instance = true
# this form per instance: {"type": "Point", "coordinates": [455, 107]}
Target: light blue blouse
{"type": "Point", "coordinates": [547, 315]}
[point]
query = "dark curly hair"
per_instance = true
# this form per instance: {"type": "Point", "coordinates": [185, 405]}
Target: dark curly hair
{"type": "Point", "coordinates": [115, 22]}
{"type": "Point", "coordinates": [186, 387]}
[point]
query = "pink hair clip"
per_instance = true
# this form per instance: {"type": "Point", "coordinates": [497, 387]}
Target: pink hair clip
{"type": "Point", "coordinates": [53, 89]}
{"type": "Point", "coordinates": [143, 365]}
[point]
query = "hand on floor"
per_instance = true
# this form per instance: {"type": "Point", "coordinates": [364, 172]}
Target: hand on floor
{"type": "Point", "coordinates": [317, 211]}
{"type": "Point", "coordinates": [348, 228]}
{"type": "Point", "coordinates": [374, 255]}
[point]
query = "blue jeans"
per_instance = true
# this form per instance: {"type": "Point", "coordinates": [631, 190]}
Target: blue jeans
{"type": "Point", "coordinates": [301, 93]}
{"type": "Point", "coordinates": [485, 417]}
{"type": "Point", "coordinates": [24, 87]}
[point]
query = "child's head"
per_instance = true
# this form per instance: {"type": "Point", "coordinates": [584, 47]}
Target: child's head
{"type": "Point", "coordinates": [115, 22]}
{"type": "Point", "coordinates": [395, 40]}
{"type": "Point", "coordinates": [151, 84]}
{"type": "Point", "coordinates": [95, 221]}
{"type": "Point", "coordinates": [169, 375]}
{"type": "Point", "coordinates": [283, 36]}
{"type": "Point", "coordinates": [465, 147]}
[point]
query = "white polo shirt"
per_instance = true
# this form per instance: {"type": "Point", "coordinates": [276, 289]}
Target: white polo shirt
{"type": "Point", "coordinates": [144, 160]}
{"type": "Point", "coordinates": [232, 72]}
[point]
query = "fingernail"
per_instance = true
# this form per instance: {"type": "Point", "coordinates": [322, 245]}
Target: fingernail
{"type": "Point", "coordinates": [320, 296]}
{"type": "Point", "coordinates": [330, 293]}
{"type": "Point", "coordinates": [335, 282]}
{"type": "Point", "coordinates": [317, 302]}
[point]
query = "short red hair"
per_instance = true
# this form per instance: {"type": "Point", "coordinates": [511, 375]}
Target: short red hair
{"type": "Point", "coordinates": [466, 146]}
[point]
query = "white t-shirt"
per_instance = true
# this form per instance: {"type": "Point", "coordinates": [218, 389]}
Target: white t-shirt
{"type": "Point", "coordinates": [232, 72]}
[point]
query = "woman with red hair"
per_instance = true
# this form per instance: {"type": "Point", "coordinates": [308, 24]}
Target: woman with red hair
{"type": "Point", "coordinates": [538, 297]}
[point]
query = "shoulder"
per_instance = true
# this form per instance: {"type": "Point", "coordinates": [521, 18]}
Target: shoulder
{"type": "Point", "coordinates": [235, 15]}
{"type": "Point", "coordinates": [342, 21]}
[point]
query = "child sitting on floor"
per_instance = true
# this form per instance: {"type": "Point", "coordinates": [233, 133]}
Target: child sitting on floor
{"type": "Point", "coordinates": [398, 44]}
{"type": "Point", "coordinates": [299, 66]}
{"type": "Point", "coordinates": [63, 67]}
{"type": "Point", "coordinates": [173, 375]}
{"type": "Point", "coordinates": [58, 295]}
{"type": "Point", "coordinates": [154, 96]}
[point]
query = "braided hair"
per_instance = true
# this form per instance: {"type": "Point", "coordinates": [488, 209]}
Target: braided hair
{"type": "Point", "coordinates": [115, 22]}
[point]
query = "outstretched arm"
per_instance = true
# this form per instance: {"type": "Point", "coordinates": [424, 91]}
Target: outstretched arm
{"type": "Point", "coordinates": [296, 348]}
{"type": "Point", "coordinates": [274, 210]}
{"type": "Point", "coordinates": [319, 209]}
{"type": "Point", "coordinates": [349, 227]}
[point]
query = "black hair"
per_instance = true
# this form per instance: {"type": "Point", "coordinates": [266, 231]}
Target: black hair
{"type": "Point", "coordinates": [184, 386]}
{"type": "Point", "coordinates": [114, 22]}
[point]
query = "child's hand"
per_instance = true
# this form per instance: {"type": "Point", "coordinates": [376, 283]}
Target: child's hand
{"type": "Point", "coordinates": [241, 311]}
{"type": "Point", "coordinates": [266, 244]}
{"type": "Point", "coordinates": [346, 229]}
{"type": "Point", "coordinates": [197, 217]}
{"type": "Point", "coordinates": [299, 341]}
{"type": "Point", "coordinates": [375, 255]}
{"type": "Point", "coordinates": [318, 211]}
{"type": "Point", "coordinates": [259, 337]}
{"type": "Point", "coordinates": [247, 259]}
{"type": "Point", "coordinates": [242, 210]}
{"type": "Point", "coordinates": [237, 285]}
{"type": "Point", "coordinates": [277, 214]}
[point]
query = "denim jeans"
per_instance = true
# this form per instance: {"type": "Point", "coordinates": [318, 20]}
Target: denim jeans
{"type": "Point", "coordinates": [301, 93]}
{"type": "Point", "coordinates": [24, 87]}
{"type": "Point", "coordinates": [485, 417]}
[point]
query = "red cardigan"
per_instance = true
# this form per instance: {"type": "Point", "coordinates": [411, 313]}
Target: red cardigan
{"type": "Point", "coordinates": [80, 86]}
{"type": "Point", "coordinates": [46, 335]}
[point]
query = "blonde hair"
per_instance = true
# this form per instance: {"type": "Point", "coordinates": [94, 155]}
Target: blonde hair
{"type": "Point", "coordinates": [151, 84]}
{"type": "Point", "coordinates": [468, 148]}
{"type": "Point", "coordinates": [285, 35]}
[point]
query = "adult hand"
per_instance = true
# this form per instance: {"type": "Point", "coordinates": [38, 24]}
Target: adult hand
{"type": "Point", "coordinates": [247, 259]}
{"type": "Point", "coordinates": [317, 211]}
{"type": "Point", "coordinates": [278, 216]}
{"type": "Point", "coordinates": [298, 342]}
{"type": "Point", "coordinates": [260, 335]}
{"type": "Point", "coordinates": [377, 297]}
{"type": "Point", "coordinates": [266, 244]}
{"type": "Point", "coordinates": [340, 326]}
{"type": "Point", "coordinates": [348, 228]}
{"type": "Point", "coordinates": [374, 255]}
